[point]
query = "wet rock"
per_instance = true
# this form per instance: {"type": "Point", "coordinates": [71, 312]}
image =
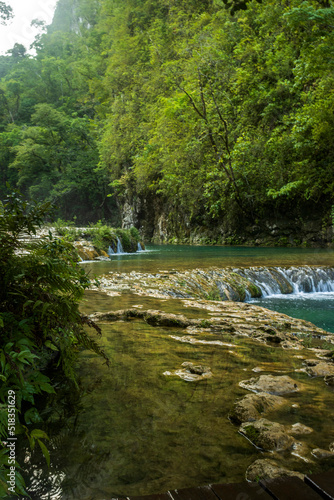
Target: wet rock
{"type": "Point", "coordinates": [282, 384]}
{"type": "Point", "coordinates": [301, 450]}
{"type": "Point", "coordinates": [267, 435]}
{"type": "Point", "coordinates": [317, 368]}
{"type": "Point", "coordinates": [268, 469]}
{"type": "Point", "coordinates": [299, 429]}
{"type": "Point", "coordinates": [252, 406]}
{"type": "Point", "coordinates": [197, 369]}
{"type": "Point", "coordinates": [191, 372]}
{"type": "Point", "coordinates": [286, 344]}
{"type": "Point", "coordinates": [158, 318]}
{"type": "Point", "coordinates": [322, 454]}
{"type": "Point", "coordinates": [86, 250]}
{"type": "Point", "coordinates": [321, 353]}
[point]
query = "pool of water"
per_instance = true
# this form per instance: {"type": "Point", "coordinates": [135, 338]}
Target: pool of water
{"type": "Point", "coordinates": [141, 431]}
{"type": "Point", "coordinates": [318, 308]}
{"type": "Point", "coordinates": [180, 257]}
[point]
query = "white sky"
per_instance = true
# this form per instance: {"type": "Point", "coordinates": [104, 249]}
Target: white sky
{"type": "Point", "coordinates": [19, 29]}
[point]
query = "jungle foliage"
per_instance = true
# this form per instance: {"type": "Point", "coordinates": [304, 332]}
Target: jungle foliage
{"type": "Point", "coordinates": [221, 109]}
{"type": "Point", "coordinates": [40, 323]}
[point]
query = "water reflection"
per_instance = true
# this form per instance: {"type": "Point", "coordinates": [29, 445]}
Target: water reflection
{"type": "Point", "coordinates": [167, 257]}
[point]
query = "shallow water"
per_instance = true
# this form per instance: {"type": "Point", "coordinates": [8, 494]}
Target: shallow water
{"type": "Point", "coordinates": [317, 308]}
{"type": "Point", "coordinates": [140, 431]}
{"type": "Point", "coordinates": [180, 257]}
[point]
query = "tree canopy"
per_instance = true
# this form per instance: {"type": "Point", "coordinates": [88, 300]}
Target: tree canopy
{"type": "Point", "coordinates": [215, 110]}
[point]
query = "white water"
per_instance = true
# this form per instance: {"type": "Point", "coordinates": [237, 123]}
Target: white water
{"type": "Point", "coordinates": [293, 280]}
{"type": "Point", "coordinates": [119, 246]}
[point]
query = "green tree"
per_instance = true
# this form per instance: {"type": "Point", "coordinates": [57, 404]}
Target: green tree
{"type": "Point", "coordinates": [6, 13]}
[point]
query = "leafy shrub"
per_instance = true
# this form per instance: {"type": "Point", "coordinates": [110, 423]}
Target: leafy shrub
{"type": "Point", "coordinates": [41, 286]}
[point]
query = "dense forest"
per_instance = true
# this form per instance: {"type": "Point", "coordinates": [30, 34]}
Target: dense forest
{"type": "Point", "coordinates": [193, 120]}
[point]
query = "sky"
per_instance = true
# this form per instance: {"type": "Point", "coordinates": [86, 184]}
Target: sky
{"type": "Point", "coordinates": [19, 30]}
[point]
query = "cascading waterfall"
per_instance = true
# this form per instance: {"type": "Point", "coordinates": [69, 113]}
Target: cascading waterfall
{"type": "Point", "coordinates": [120, 250]}
{"type": "Point", "coordinates": [245, 284]}
{"type": "Point", "coordinates": [119, 246]}
{"type": "Point", "coordinates": [292, 280]}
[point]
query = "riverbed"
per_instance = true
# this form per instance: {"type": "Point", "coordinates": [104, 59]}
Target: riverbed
{"type": "Point", "coordinates": [140, 427]}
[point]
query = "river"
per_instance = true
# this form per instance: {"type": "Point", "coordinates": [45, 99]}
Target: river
{"type": "Point", "coordinates": [315, 307]}
{"type": "Point", "coordinates": [141, 429]}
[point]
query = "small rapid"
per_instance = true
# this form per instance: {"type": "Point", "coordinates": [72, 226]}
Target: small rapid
{"type": "Point", "coordinates": [292, 280]}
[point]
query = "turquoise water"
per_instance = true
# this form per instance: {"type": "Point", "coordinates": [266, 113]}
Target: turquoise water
{"type": "Point", "coordinates": [141, 429]}
{"type": "Point", "coordinates": [317, 308]}
{"type": "Point", "coordinates": [179, 257]}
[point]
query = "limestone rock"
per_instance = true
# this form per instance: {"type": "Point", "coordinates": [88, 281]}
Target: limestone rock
{"type": "Point", "coordinates": [251, 407]}
{"type": "Point", "coordinates": [271, 384]}
{"type": "Point", "coordinates": [331, 447]}
{"type": "Point", "coordinates": [301, 450]}
{"type": "Point", "coordinates": [317, 368]}
{"type": "Point", "coordinates": [329, 379]}
{"type": "Point", "coordinates": [268, 469]}
{"type": "Point", "coordinates": [191, 372]}
{"type": "Point", "coordinates": [197, 369]}
{"type": "Point", "coordinates": [321, 454]}
{"type": "Point", "coordinates": [299, 429]}
{"type": "Point", "coordinates": [270, 436]}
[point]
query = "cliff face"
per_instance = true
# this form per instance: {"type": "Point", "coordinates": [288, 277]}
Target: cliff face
{"type": "Point", "coordinates": [161, 222]}
{"type": "Point", "coordinates": [66, 17]}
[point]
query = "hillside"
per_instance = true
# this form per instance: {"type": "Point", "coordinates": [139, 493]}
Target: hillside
{"type": "Point", "coordinates": [200, 122]}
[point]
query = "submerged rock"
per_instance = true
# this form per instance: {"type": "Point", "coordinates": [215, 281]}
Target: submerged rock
{"type": "Point", "coordinates": [251, 407]}
{"type": "Point", "coordinates": [268, 469]}
{"type": "Point", "coordinates": [267, 435]}
{"type": "Point", "coordinates": [329, 379]}
{"type": "Point", "coordinates": [281, 384]}
{"type": "Point", "coordinates": [191, 372]}
{"type": "Point", "coordinates": [322, 454]}
{"type": "Point", "coordinates": [299, 429]}
{"type": "Point", "coordinates": [197, 369]}
{"type": "Point", "coordinates": [317, 368]}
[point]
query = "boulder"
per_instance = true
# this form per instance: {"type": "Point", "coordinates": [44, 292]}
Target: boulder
{"type": "Point", "coordinates": [270, 436]}
{"type": "Point", "coordinates": [268, 469]}
{"type": "Point", "coordinates": [252, 406]}
{"type": "Point", "coordinates": [318, 368]}
{"type": "Point", "coordinates": [197, 369]}
{"type": "Point", "coordinates": [282, 384]}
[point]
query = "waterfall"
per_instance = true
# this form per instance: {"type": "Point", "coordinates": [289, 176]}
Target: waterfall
{"type": "Point", "coordinates": [119, 246]}
{"type": "Point", "coordinates": [139, 247]}
{"type": "Point", "coordinates": [295, 280]}
{"type": "Point", "coordinates": [110, 251]}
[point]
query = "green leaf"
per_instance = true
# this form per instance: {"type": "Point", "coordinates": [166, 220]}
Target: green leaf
{"type": "Point", "coordinates": [50, 345]}
{"type": "Point", "coordinates": [38, 433]}
{"type": "Point", "coordinates": [44, 451]}
{"type": "Point", "coordinates": [32, 416]}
